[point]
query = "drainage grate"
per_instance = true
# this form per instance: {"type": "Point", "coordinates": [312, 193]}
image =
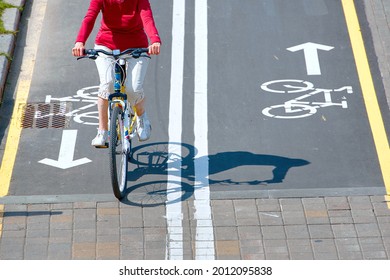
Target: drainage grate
{"type": "Point", "coordinates": [46, 115]}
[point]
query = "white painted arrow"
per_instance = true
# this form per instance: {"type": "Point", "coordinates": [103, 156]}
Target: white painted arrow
{"type": "Point", "coordinates": [310, 51]}
{"type": "Point", "coordinates": [65, 158]}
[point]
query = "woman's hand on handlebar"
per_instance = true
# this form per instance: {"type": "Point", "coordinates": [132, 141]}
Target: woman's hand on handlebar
{"type": "Point", "coordinates": [78, 49]}
{"type": "Point", "coordinates": [154, 49]}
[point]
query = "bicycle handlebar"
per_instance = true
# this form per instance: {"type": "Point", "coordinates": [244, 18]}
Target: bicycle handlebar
{"type": "Point", "coordinates": [134, 52]}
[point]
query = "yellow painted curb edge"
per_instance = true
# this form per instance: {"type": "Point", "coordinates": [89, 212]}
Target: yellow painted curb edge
{"type": "Point", "coordinates": [368, 91]}
{"type": "Point", "coordinates": [21, 94]}
{"type": "Point", "coordinates": [1, 219]}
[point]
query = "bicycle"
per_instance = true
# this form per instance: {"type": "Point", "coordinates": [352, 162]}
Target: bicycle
{"type": "Point", "coordinates": [121, 117]}
{"type": "Point", "coordinates": [296, 108]}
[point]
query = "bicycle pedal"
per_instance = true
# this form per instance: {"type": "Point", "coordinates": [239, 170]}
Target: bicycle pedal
{"type": "Point", "coordinates": [102, 146]}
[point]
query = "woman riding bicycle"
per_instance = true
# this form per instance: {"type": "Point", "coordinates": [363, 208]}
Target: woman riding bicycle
{"type": "Point", "coordinates": [125, 24]}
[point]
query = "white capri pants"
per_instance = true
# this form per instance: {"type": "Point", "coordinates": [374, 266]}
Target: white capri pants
{"type": "Point", "coordinates": [136, 72]}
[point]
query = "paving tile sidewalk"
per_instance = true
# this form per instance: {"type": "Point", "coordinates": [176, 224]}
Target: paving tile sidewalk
{"type": "Point", "coordinates": [336, 228]}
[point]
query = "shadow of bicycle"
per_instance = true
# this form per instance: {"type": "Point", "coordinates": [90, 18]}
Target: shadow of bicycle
{"type": "Point", "coordinates": [179, 160]}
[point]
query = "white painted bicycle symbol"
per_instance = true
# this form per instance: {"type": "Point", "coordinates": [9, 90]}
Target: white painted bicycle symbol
{"type": "Point", "coordinates": [296, 107]}
{"type": "Point", "coordinates": [88, 96]}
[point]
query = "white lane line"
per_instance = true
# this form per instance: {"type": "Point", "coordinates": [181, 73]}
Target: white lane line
{"type": "Point", "coordinates": [173, 210]}
{"type": "Point", "coordinates": [204, 243]}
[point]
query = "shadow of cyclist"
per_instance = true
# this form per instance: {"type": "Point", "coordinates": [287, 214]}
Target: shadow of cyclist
{"type": "Point", "coordinates": [228, 160]}
{"type": "Point", "coordinates": [158, 160]}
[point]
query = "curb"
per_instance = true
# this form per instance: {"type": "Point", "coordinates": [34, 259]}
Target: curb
{"type": "Point", "coordinates": [11, 18]}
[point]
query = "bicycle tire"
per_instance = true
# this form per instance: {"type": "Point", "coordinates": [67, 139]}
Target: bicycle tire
{"type": "Point", "coordinates": [286, 86]}
{"type": "Point", "coordinates": [118, 157]}
{"type": "Point", "coordinates": [304, 111]}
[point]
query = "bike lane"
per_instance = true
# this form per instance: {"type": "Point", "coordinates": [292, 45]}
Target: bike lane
{"type": "Point", "coordinates": [292, 142]}
{"type": "Point", "coordinates": [58, 119]}
{"type": "Point", "coordinates": [251, 153]}
{"type": "Point", "coordinates": [46, 163]}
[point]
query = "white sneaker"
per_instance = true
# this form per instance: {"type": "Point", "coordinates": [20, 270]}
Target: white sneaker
{"type": "Point", "coordinates": [100, 141]}
{"type": "Point", "coordinates": [143, 127]}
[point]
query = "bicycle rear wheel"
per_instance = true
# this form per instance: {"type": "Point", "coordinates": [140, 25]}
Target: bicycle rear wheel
{"type": "Point", "coordinates": [118, 154]}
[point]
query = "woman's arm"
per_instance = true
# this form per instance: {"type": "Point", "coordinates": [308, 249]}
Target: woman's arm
{"type": "Point", "coordinates": [87, 25]}
{"type": "Point", "coordinates": [148, 21]}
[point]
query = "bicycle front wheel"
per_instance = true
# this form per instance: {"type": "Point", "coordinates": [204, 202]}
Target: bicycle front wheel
{"type": "Point", "coordinates": [118, 153]}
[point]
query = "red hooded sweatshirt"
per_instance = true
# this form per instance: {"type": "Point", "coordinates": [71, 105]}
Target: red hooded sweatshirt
{"type": "Point", "coordinates": [125, 24]}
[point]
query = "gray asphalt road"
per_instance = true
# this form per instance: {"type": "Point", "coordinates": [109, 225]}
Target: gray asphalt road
{"type": "Point", "coordinates": [286, 115]}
